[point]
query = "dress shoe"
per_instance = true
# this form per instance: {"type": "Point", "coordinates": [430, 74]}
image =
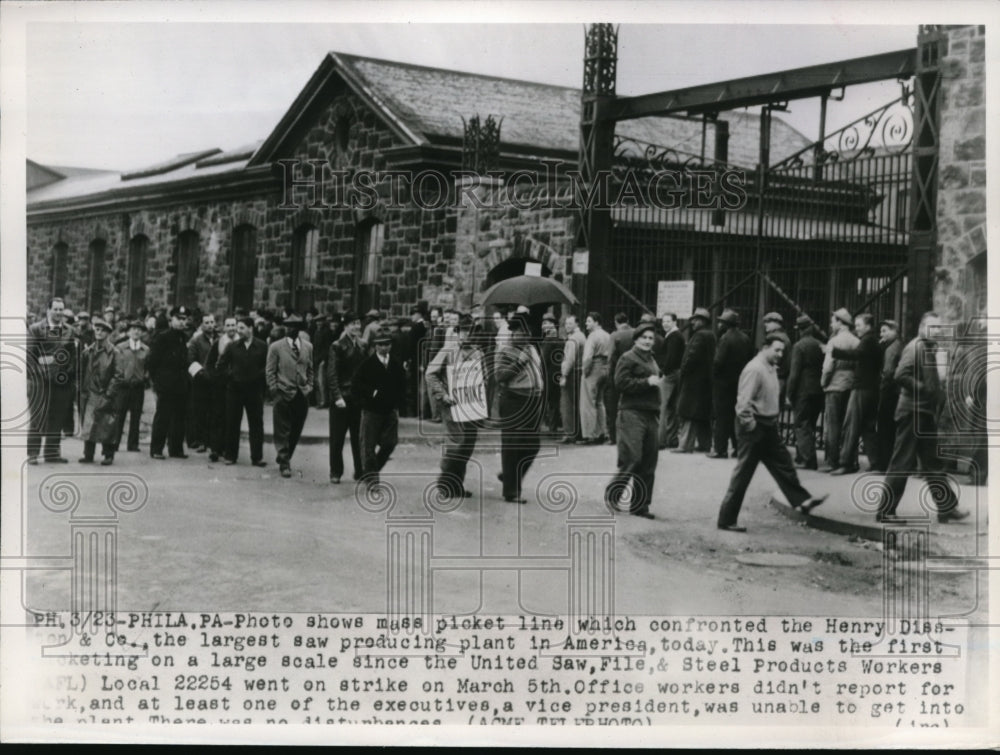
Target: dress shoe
{"type": "Point", "coordinates": [679, 451]}
{"type": "Point", "coordinates": [213, 457]}
{"type": "Point", "coordinates": [133, 449]}
{"type": "Point", "coordinates": [229, 462]}
{"type": "Point", "coordinates": [644, 513]}
{"type": "Point", "coordinates": [732, 528]}
{"type": "Point", "coordinates": [259, 463]}
{"type": "Point", "coordinates": [286, 472]}
{"type": "Point", "coordinates": [826, 468]}
{"type": "Point", "coordinates": [952, 516]}
{"type": "Point", "coordinates": [200, 450]}
{"type": "Point", "coordinates": [801, 465]}
{"type": "Point", "coordinates": [56, 460]}
{"type": "Point", "coordinates": [179, 456]}
{"type": "Point", "coordinates": [107, 461]}
{"type": "Point", "coordinates": [334, 479]}
{"type": "Point", "coordinates": [808, 505]}
{"type": "Point", "coordinates": [514, 499]}
{"type": "Point", "coordinates": [158, 457]}
{"type": "Point", "coordinates": [85, 460]}
{"type": "Point", "coordinates": [842, 471]}
{"type": "Point", "coordinates": [718, 456]}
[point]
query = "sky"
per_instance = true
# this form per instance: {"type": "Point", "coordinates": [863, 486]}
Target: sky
{"type": "Point", "coordinates": [104, 93]}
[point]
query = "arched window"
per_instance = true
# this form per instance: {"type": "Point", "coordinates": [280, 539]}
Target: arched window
{"type": "Point", "coordinates": [368, 261]}
{"type": "Point", "coordinates": [138, 248]}
{"type": "Point", "coordinates": [60, 269]}
{"type": "Point", "coordinates": [243, 267]}
{"type": "Point", "coordinates": [95, 298]}
{"type": "Point", "coordinates": [186, 277]}
{"type": "Point", "coordinates": [305, 267]}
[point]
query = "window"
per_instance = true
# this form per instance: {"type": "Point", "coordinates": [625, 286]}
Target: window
{"type": "Point", "coordinates": [60, 269]}
{"type": "Point", "coordinates": [138, 248]}
{"type": "Point", "coordinates": [243, 267]}
{"type": "Point", "coordinates": [305, 267]}
{"type": "Point", "coordinates": [186, 277]}
{"type": "Point", "coordinates": [976, 291]}
{"type": "Point", "coordinates": [95, 299]}
{"type": "Point", "coordinates": [369, 260]}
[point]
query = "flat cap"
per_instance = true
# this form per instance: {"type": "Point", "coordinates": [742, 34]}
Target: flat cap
{"type": "Point", "coordinates": [844, 316]}
{"type": "Point", "coordinates": [774, 317]}
{"type": "Point", "coordinates": [730, 317]}
{"type": "Point", "coordinates": [643, 327]}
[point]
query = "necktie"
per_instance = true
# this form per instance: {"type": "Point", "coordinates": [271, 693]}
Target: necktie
{"type": "Point", "coordinates": [295, 350]}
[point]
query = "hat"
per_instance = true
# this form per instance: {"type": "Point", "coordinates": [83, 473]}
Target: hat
{"type": "Point", "coordinates": [889, 324]}
{"type": "Point", "coordinates": [803, 321]}
{"type": "Point", "coordinates": [81, 315]}
{"type": "Point", "coordinates": [465, 322]}
{"type": "Point", "coordinates": [100, 322]}
{"type": "Point", "coordinates": [109, 308]}
{"type": "Point", "coordinates": [647, 317]}
{"type": "Point", "coordinates": [137, 324]}
{"type": "Point", "coordinates": [844, 316]}
{"type": "Point", "coordinates": [730, 317]}
{"type": "Point", "coordinates": [548, 318]}
{"type": "Point", "coordinates": [642, 327]}
{"type": "Point", "coordinates": [518, 322]}
{"type": "Point", "coordinates": [774, 317]}
{"type": "Point", "coordinates": [382, 336]}
{"type": "Point", "coordinates": [522, 309]}
{"type": "Point", "coordinates": [702, 313]}
{"type": "Point", "coordinates": [320, 316]}
{"type": "Point", "coordinates": [178, 312]}
{"type": "Point", "coordinates": [293, 319]}
{"type": "Point", "coordinates": [373, 313]}
{"type": "Point", "coordinates": [350, 316]}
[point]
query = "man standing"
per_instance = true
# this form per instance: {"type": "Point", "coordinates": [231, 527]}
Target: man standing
{"type": "Point", "coordinates": [201, 386]}
{"type": "Point", "coordinates": [101, 380]}
{"type": "Point", "coordinates": [920, 396]}
{"type": "Point", "coordinates": [621, 342]}
{"type": "Point", "coordinates": [321, 342]}
{"type": "Point", "coordinates": [290, 380]}
{"type": "Point", "coordinates": [168, 369]}
{"type": "Point", "coordinates": [242, 366]}
{"type": "Point", "coordinates": [775, 323]}
{"type": "Point", "coordinates": [885, 425]}
{"type": "Point", "coordinates": [837, 380]}
{"type": "Point", "coordinates": [862, 407]}
{"type": "Point", "coordinates": [731, 356]}
{"type": "Point", "coordinates": [758, 439]}
{"type": "Point", "coordinates": [596, 355]}
{"type": "Point", "coordinates": [805, 392]}
{"type": "Point", "coordinates": [694, 404]}
{"type": "Point", "coordinates": [52, 361]}
{"type": "Point", "coordinates": [637, 378]}
{"type": "Point", "coordinates": [219, 383]}
{"type": "Point", "coordinates": [551, 348]}
{"type": "Point", "coordinates": [84, 330]}
{"type": "Point", "coordinates": [346, 355]}
{"type": "Point", "coordinates": [380, 386]}
{"type": "Point", "coordinates": [668, 357]}
{"type": "Point", "coordinates": [135, 378]}
{"type": "Point", "coordinates": [569, 380]}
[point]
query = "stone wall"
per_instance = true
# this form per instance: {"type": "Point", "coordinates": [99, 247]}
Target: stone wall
{"type": "Point", "coordinates": [961, 198]}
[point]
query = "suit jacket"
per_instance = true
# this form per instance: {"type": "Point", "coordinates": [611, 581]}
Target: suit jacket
{"type": "Point", "coordinates": [243, 365]}
{"type": "Point", "coordinates": [807, 366]}
{"type": "Point", "coordinates": [287, 373]}
{"type": "Point", "coordinates": [380, 390]}
{"type": "Point", "coordinates": [52, 356]}
{"type": "Point", "coordinates": [694, 401]}
{"type": "Point", "coordinates": [621, 341]}
{"type": "Point", "coordinates": [198, 348]}
{"type": "Point", "coordinates": [731, 356]}
{"type": "Point", "coordinates": [168, 362]}
{"type": "Point", "coordinates": [346, 355]}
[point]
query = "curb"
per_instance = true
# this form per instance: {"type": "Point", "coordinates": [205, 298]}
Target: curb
{"type": "Point", "coordinates": [836, 526]}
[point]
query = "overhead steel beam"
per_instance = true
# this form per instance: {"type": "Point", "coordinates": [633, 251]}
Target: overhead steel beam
{"type": "Point", "coordinates": [781, 86]}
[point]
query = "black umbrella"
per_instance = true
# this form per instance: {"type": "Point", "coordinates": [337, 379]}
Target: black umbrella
{"type": "Point", "coordinates": [529, 290]}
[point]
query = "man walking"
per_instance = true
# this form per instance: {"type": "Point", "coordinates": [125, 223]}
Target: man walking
{"type": "Point", "coordinates": [380, 385]}
{"type": "Point", "coordinates": [837, 380]}
{"type": "Point", "coordinates": [621, 342]}
{"type": "Point", "coordinates": [101, 380]}
{"type": "Point", "coordinates": [571, 371]}
{"type": "Point", "coordinates": [920, 396]}
{"type": "Point", "coordinates": [346, 355]}
{"type": "Point", "coordinates": [135, 377]}
{"type": "Point", "coordinates": [862, 407]}
{"type": "Point", "coordinates": [731, 356]}
{"type": "Point", "coordinates": [242, 366]}
{"type": "Point", "coordinates": [290, 380]}
{"type": "Point", "coordinates": [758, 438]}
{"type": "Point", "coordinates": [596, 355]}
{"type": "Point", "coordinates": [775, 323]}
{"type": "Point", "coordinates": [694, 403]}
{"type": "Point", "coordinates": [805, 392]}
{"type": "Point", "coordinates": [168, 369]}
{"type": "Point", "coordinates": [52, 361]}
{"type": "Point", "coordinates": [201, 385]}
{"type": "Point", "coordinates": [885, 424]}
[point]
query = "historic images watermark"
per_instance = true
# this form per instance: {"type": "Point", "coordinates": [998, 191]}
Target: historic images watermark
{"type": "Point", "coordinates": [315, 184]}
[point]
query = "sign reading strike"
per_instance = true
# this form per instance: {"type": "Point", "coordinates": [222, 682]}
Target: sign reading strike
{"type": "Point", "coordinates": [468, 391]}
{"type": "Point", "coordinates": [676, 297]}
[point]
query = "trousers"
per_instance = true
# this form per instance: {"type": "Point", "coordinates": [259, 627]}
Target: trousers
{"type": "Point", "coordinates": [724, 407]}
{"type": "Point", "coordinates": [520, 418]}
{"type": "Point", "coordinates": [379, 436]}
{"type": "Point", "coordinates": [569, 405]}
{"type": "Point", "coordinates": [910, 447]}
{"type": "Point", "coordinates": [592, 415]}
{"type": "Point", "coordinates": [807, 410]}
{"type": "Point", "coordinates": [168, 423]}
{"type": "Point", "coordinates": [242, 397]}
{"type": "Point", "coordinates": [48, 403]}
{"type": "Point", "coordinates": [638, 452]}
{"type": "Point", "coordinates": [835, 407]}
{"type": "Point", "coordinates": [859, 423]}
{"type": "Point", "coordinates": [667, 430]}
{"type": "Point", "coordinates": [458, 450]}
{"type": "Point", "coordinates": [288, 418]}
{"type": "Point", "coordinates": [343, 421]}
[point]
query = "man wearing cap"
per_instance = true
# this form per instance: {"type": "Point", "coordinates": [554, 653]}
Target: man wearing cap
{"type": "Point", "coordinates": [52, 358]}
{"type": "Point", "coordinates": [551, 349]}
{"type": "Point", "coordinates": [243, 364]}
{"type": "Point", "coordinates": [101, 380]}
{"type": "Point", "coordinates": [920, 398]}
{"type": "Point", "coordinates": [694, 402]}
{"type": "Point", "coordinates": [135, 377]}
{"type": "Point", "coordinates": [465, 360]}
{"type": "Point", "coordinates": [759, 439]}
{"type": "Point", "coordinates": [380, 386]}
{"type": "Point", "coordinates": [637, 379]}
{"type": "Point", "coordinates": [596, 355]}
{"type": "Point", "coordinates": [290, 381]}
{"type": "Point", "coordinates": [804, 391]}
{"type": "Point", "coordinates": [168, 369]}
{"type": "Point", "coordinates": [346, 355]}
{"type": "Point", "coordinates": [570, 373]}
{"type": "Point", "coordinates": [862, 406]}
{"type": "Point", "coordinates": [885, 424]}
{"type": "Point", "coordinates": [732, 353]}
{"type": "Point", "coordinates": [84, 330]}
{"type": "Point", "coordinates": [837, 380]}
{"type": "Point", "coordinates": [201, 385]}
{"type": "Point", "coordinates": [668, 353]}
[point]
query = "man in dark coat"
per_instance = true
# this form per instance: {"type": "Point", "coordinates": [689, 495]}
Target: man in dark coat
{"type": "Point", "coordinates": [168, 369]}
{"type": "Point", "coordinates": [862, 406]}
{"type": "Point", "coordinates": [219, 382]}
{"type": "Point", "coordinates": [694, 404]}
{"type": "Point", "coordinates": [242, 366]}
{"type": "Point", "coordinates": [135, 358]}
{"type": "Point", "coordinates": [345, 356]}
{"type": "Point", "coordinates": [885, 425]}
{"type": "Point", "coordinates": [198, 346]}
{"type": "Point", "coordinates": [733, 352]}
{"type": "Point", "coordinates": [621, 342]}
{"type": "Point", "coordinates": [668, 353]}
{"type": "Point", "coordinates": [552, 352]}
{"type": "Point", "coordinates": [100, 382]}
{"type": "Point", "coordinates": [804, 391]}
{"type": "Point", "coordinates": [380, 385]}
{"type": "Point", "coordinates": [52, 363]}
{"type": "Point", "coordinates": [321, 341]}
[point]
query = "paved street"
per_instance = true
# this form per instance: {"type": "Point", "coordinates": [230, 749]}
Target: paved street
{"type": "Point", "coordinates": [237, 537]}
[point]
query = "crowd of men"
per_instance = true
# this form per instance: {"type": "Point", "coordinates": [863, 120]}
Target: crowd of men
{"type": "Point", "coordinates": [643, 389]}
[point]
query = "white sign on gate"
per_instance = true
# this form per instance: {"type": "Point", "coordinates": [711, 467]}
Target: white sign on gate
{"type": "Point", "coordinates": [676, 297]}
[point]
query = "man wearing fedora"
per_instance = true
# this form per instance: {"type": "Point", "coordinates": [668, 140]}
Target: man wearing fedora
{"type": "Point", "coordinates": [135, 378]}
{"type": "Point", "coordinates": [102, 378]}
{"type": "Point", "coordinates": [804, 391]}
{"type": "Point", "coordinates": [52, 361]}
{"type": "Point", "coordinates": [380, 385]}
{"type": "Point", "coordinates": [694, 403]}
{"type": "Point", "coordinates": [733, 352]}
{"type": "Point", "coordinates": [345, 356]}
{"type": "Point", "coordinates": [837, 381]}
{"type": "Point", "coordinates": [290, 380]}
{"type": "Point", "coordinates": [168, 369]}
